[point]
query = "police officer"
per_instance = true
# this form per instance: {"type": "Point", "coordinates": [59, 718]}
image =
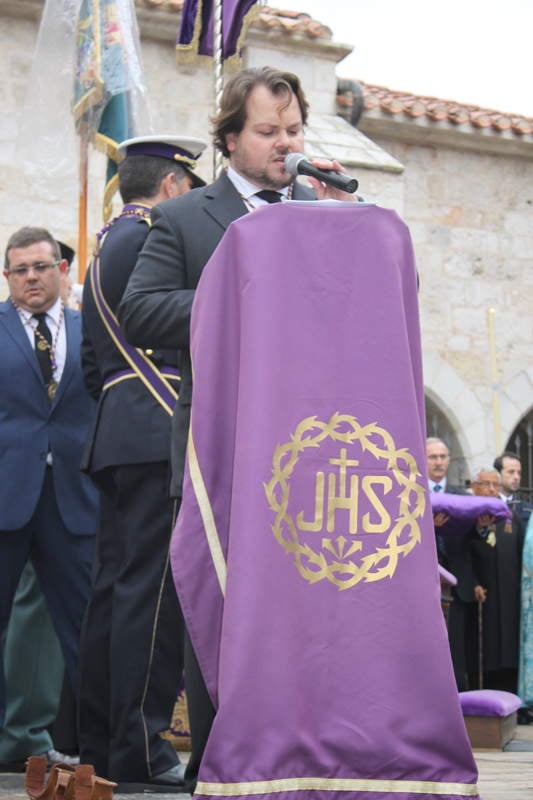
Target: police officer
{"type": "Point", "coordinates": [132, 648]}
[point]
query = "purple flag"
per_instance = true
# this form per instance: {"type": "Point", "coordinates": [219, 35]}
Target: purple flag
{"type": "Point", "coordinates": [463, 510]}
{"type": "Point", "coordinates": [310, 585]}
{"type": "Point", "coordinates": [195, 36]}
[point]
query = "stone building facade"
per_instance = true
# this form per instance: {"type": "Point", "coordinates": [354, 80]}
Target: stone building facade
{"type": "Point", "coordinates": [461, 177]}
{"type": "Point", "coordinates": [468, 199]}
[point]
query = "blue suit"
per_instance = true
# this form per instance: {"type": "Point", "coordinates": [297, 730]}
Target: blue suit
{"type": "Point", "coordinates": [47, 513]}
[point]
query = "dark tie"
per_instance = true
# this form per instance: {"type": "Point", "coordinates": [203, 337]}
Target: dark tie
{"type": "Point", "coordinates": [41, 350]}
{"type": "Point", "coordinates": [269, 195]}
{"type": "Point", "coordinates": [437, 488]}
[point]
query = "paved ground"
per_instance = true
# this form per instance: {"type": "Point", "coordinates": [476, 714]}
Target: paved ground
{"type": "Point", "coordinates": [502, 776]}
{"type": "Point", "coordinates": [12, 788]}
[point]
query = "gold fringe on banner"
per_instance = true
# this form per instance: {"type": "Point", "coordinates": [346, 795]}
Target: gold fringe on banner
{"type": "Point", "coordinates": [188, 55]}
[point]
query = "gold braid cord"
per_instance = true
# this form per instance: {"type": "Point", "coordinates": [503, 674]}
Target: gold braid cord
{"type": "Point", "coordinates": [405, 533]}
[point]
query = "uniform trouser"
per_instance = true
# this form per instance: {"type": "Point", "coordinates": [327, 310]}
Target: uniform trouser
{"type": "Point", "coordinates": [132, 643]}
{"type": "Point", "coordinates": [34, 669]}
{"type": "Point", "coordinates": [201, 715]}
{"type": "Point", "coordinates": [62, 561]}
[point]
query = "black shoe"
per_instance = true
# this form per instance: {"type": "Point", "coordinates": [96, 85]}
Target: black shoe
{"type": "Point", "coordinates": [52, 757]}
{"type": "Point", "coordinates": [168, 781]}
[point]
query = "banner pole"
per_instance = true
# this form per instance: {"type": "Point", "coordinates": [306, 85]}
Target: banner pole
{"type": "Point", "coordinates": [82, 208]}
{"type": "Point", "coordinates": [218, 59]}
{"type": "Point", "coordinates": [480, 643]}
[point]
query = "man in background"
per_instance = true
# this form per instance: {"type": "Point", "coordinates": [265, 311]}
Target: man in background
{"type": "Point", "coordinates": [510, 468]}
{"type": "Point", "coordinates": [497, 562]}
{"type": "Point", "coordinates": [48, 509]}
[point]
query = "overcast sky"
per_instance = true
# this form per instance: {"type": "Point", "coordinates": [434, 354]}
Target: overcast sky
{"type": "Point", "coordinates": [472, 51]}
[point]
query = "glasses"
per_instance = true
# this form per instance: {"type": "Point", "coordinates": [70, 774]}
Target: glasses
{"type": "Point", "coordinates": [438, 458]}
{"type": "Point", "coordinates": [39, 268]}
{"type": "Point", "coordinates": [487, 484]}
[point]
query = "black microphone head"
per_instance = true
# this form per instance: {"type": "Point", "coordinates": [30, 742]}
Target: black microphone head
{"type": "Point", "coordinates": [291, 162]}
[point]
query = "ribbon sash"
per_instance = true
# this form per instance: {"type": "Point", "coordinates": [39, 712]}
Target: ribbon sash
{"type": "Point", "coordinates": [145, 369]}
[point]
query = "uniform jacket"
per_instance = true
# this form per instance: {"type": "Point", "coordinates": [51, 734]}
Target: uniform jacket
{"type": "Point", "coordinates": [131, 427]}
{"type": "Point", "coordinates": [30, 427]}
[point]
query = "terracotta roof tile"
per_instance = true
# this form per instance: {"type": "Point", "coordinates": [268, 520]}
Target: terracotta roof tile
{"type": "Point", "coordinates": [399, 103]}
{"type": "Point", "coordinates": [290, 22]}
{"type": "Point", "coordinates": [295, 23]}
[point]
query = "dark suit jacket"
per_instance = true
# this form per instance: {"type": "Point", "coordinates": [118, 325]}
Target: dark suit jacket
{"type": "Point", "coordinates": [522, 509]}
{"type": "Point", "coordinates": [499, 567]}
{"type": "Point", "coordinates": [131, 427]}
{"type": "Point", "coordinates": [156, 307]}
{"type": "Point", "coordinates": [30, 427]}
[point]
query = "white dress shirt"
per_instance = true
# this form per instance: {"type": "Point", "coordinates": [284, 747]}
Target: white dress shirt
{"type": "Point", "coordinates": [247, 190]}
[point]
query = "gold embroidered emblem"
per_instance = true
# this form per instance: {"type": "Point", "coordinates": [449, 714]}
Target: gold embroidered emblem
{"type": "Point", "coordinates": [363, 520]}
{"type": "Point", "coordinates": [491, 539]}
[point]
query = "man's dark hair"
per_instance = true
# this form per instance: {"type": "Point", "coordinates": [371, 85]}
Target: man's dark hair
{"type": "Point", "coordinates": [232, 115]}
{"type": "Point", "coordinates": [141, 176]}
{"type": "Point", "coordinates": [498, 461]}
{"type": "Point", "coordinates": [27, 236]}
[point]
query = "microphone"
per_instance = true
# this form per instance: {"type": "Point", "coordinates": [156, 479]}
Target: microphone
{"type": "Point", "coordinates": [297, 164]}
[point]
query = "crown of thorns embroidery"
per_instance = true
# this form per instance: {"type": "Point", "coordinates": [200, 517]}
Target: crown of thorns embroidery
{"type": "Point", "coordinates": [333, 562]}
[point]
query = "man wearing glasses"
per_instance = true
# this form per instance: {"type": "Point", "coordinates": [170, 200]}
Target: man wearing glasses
{"type": "Point", "coordinates": [48, 508]}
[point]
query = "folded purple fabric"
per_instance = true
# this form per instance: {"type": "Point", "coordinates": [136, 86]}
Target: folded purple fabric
{"type": "Point", "coordinates": [447, 577]}
{"type": "Point", "coordinates": [489, 703]}
{"type": "Point", "coordinates": [464, 509]}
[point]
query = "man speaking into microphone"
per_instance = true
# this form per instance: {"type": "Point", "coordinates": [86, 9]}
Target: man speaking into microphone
{"type": "Point", "coordinates": [262, 117]}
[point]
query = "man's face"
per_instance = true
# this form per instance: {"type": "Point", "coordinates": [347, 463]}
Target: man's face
{"type": "Point", "coordinates": [271, 131]}
{"type": "Point", "coordinates": [511, 474]}
{"type": "Point", "coordinates": [438, 461]}
{"type": "Point", "coordinates": [34, 291]}
{"type": "Point", "coordinates": [487, 484]}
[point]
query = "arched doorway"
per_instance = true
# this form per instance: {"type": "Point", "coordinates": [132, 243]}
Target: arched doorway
{"type": "Point", "coordinates": [438, 424]}
{"type": "Point", "coordinates": [521, 443]}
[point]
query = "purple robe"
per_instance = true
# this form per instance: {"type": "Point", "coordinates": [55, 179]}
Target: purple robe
{"type": "Point", "coordinates": [310, 584]}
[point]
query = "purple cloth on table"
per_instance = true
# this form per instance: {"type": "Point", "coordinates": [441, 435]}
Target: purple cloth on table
{"type": "Point", "coordinates": [489, 703]}
{"type": "Point", "coordinates": [464, 509]}
{"type": "Point", "coordinates": [310, 583]}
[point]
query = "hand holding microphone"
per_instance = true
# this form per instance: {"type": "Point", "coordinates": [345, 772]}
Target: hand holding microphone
{"type": "Point", "coordinates": [298, 164]}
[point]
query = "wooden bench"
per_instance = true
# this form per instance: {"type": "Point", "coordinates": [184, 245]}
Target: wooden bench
{"type": "Point", "coordinates": [490, 717]}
